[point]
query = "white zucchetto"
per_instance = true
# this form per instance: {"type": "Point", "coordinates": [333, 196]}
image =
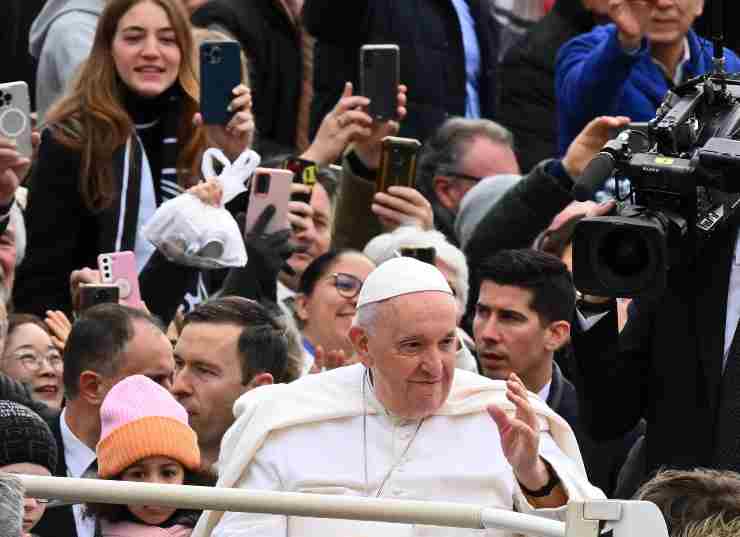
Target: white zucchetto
{"type": "Point", "coordinates": [401, 276]}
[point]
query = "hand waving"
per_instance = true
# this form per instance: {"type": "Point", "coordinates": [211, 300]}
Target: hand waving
{"type": "Point", "coordinates": [520, 435]}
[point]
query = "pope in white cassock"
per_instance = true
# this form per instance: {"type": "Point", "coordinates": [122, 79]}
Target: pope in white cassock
{"type": "Point", "coordinates": [401, 424]}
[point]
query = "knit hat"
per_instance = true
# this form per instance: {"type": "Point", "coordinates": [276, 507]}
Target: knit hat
{"type": "Point", "coordinates": [140, 419]}
{"type": "Point", "coordinates": [25, 437]}
{"type": "Point", "coordinates": [401, 276]}
{"type": "Point", "coordinates": [478, 201]}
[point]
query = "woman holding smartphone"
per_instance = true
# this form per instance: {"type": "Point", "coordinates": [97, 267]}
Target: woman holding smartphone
{"type": "Point", "coordinates": [127, 137]}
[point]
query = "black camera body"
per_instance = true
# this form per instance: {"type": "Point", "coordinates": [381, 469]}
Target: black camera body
{"type": "Point", "coordinates": [684, 186]}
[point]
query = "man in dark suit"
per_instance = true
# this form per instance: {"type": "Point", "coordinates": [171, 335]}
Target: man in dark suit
{"type": "Point", "coordinates": [522, 318]}
{"type": "Point", "coordinates": [673, 364]}
{"type": "Point", "coordinates": [107, 344]}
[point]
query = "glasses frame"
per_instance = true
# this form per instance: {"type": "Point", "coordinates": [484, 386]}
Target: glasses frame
{"type": "Point", "coordinates": [465, 176]}
{"type": "Point", "coordinates": [39, 365]}
{"type": "Point", "coordinates": [344, 294]}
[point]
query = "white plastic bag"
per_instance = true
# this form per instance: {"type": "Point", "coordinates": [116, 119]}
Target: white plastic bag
{"type": "Point", "coordinates": [190, 232]}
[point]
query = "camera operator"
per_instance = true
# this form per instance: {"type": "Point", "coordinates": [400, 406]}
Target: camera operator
{"type": "Point", "coordinates": [626, 68]}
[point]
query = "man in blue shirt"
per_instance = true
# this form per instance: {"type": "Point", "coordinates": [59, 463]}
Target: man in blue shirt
{"type": "Point", "coordinates": [626, 68]}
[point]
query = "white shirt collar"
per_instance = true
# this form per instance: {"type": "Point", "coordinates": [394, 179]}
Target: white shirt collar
{"type": "Point", "coordinates": [283, 291]}
{"type": "Point", "coordinates": [544, 393]}
{"type": "Point", "coordinates": [77, 455]}
{"type": "Point", "coordinates": [678, 76]}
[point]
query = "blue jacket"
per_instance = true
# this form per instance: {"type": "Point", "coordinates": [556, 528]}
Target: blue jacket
{"type": "Point", "coordinates": [595, 77]}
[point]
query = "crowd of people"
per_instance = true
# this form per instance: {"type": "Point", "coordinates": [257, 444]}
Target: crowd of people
{"type": "Point", "coordinates": [425, 342]}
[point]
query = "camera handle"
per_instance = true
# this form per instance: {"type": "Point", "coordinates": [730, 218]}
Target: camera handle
{"type": "Point", "coordinates": [601, 167]}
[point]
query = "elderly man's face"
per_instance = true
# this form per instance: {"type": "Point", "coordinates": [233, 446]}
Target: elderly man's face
{"type": "Point", "coordinates": [411, 352]}
{"type": "Point", "coordinates": [671, 20]}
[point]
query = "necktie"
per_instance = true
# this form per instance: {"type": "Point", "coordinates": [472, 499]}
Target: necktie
{"type": "Point", "coordinates": [92, 471]}
{"type": "Point", "coordinates": [727, 428]}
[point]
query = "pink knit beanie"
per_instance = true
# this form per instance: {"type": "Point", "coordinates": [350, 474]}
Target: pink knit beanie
{"type": "Point", "coordinates": [140, 419]}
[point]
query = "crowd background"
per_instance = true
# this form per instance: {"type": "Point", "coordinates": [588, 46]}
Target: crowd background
{"type": "Point", "coordinates": [510, 98]}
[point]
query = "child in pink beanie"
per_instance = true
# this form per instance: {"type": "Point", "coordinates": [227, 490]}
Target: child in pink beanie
{"type": "Point", "coordinates": [144, 437]}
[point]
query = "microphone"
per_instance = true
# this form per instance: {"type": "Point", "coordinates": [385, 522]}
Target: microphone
{"type": "Point", "coordinates": [600, 168]}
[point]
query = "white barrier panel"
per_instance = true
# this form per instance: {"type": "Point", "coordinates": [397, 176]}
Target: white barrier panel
{"type": "Point", "coordinates": [289, 503]}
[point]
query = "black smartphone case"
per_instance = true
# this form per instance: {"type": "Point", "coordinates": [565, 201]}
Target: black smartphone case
{"type": "Point", "coordinates": [379, 79]}
{"type": "Point", "coordinates": [220, 73]}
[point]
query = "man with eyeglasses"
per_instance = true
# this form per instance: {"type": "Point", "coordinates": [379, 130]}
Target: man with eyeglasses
{"type": "Point", "coordinates": [459, 154]}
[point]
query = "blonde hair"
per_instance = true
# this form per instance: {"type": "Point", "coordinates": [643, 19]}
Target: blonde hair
{"type": "Point", "coordinates": [714, 526]}
{"type": "Point", "coordinates": [691, 496]}
{"type": "Point", "coordinates": [92, 119]}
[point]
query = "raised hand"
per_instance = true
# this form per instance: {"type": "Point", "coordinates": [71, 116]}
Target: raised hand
{"type": "Point", "coordinates": [59, 326]}
{"type": "Point", "coordinates": [369, 148]}
{"type": "Point", "coordinates": [346, 122]}
{"type": "Point", "coordinates": [13, 167]}
{"type": "Point", "coordinates": [520, 435]}
{"type": "Point", "coordinates": [402, 205]}
{"type": "Point", "coordinates": [273, 248]}
{"type": "Point", "coordinates": [632, 18]}
{"type": "Point", "coordinates": [589, 142]}
{"type": "Point", "coordinates": [238, 134]}
{"type": "Point", "coordinates": [326, 360]}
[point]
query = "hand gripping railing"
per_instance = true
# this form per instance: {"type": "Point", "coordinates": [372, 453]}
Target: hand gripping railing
{"type": "Point", "coordinates": [583, 518]}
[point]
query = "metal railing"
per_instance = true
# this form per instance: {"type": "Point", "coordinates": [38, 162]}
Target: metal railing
{"type": "Point", "coordinates": [583, 517]}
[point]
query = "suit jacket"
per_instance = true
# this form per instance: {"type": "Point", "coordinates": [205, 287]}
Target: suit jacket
{"type": "Point", "coordinates": [57, 521]}
{"type": "Point", "coordinates": [603, 460]}
{"type": "Point", "coordinates": [665, 366]}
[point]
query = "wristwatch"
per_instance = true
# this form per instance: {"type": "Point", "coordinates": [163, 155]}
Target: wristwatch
{"type": "Point", "coordinates": [553, 482]}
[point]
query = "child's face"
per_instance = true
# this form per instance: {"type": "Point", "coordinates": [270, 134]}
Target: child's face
{"type": "Point", "coordinates": [33, 509]}
{"type": "Point", "coordinates": [162, 470]}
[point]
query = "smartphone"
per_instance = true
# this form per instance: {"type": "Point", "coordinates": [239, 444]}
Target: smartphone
{"type": "Point", "coordinates": [220, 73]}
{"type": "Point", "coordinates": [304, 172]}
{"type": "Point", "coordinates": [15, 116]}
{"type": "Point", "coordinates": [397, 163]}
{"type": "Point", "coordinates": [269, 186]}
{"type": "Point", "coordinates": [119, 268]}
{"type": "Point", "coordinates": [92, 294]}
{"type": "Point", "coordinates": [379, 79]}
{"type": "Point", "coordinates": [425, 254]}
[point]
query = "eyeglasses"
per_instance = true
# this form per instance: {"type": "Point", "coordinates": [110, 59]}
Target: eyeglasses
{"type": "Point", "coordinates": [348, 286]}
{"type": "Point", "coordinates": [465, 176]}
{"type": "Point", "coordinates": [34, 362]}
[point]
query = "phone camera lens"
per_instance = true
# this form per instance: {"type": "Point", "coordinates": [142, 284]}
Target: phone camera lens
{"type": "Point", "coordinates": [263, 183]}
{"type": "Point", "coordinates": [7, 98]}
{"type": "Point", "coordinates": [216, 55]}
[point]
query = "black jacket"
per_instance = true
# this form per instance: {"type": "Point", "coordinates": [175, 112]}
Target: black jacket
{"type": "Point", "coordinates": [57, 521]}
{"type": "Point", "coordinates": [666, 364]}
{"type": "Point", "coordinates": [527, 79]}
{"type": "Point", "coordinates": [432, 55]}
{"type": "Point", "coordinates": [272, 45]}
{"type": "Point", "coordinates": [522, 213]}
{"type": "Point", "coordinates": [603, 460]}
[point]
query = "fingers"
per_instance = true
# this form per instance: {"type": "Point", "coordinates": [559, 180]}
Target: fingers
{"type": "Point", "coordinates": [264, 219]}
{"type": "Point", "coordinates": [77, 277]}
{"type": "Point", "coordinates": [197, 119]}
{"type": "Point", "coordinates": [501, 418]}
{"type": "Point", "coordinates": [517, 393]}
{"type": "Point", "coordinates": [242, 99]}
